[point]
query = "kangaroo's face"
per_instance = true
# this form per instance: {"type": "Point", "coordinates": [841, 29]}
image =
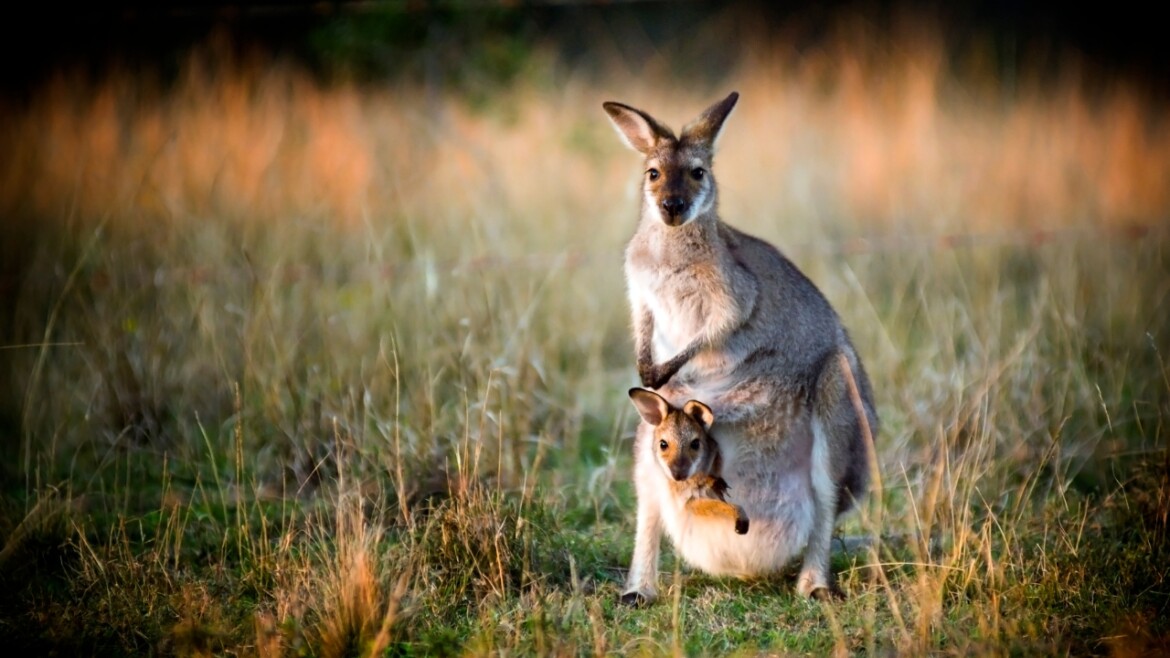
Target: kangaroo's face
{"type": "Point", "coordinates": [682, 445]}
{"type": "Point", "coordinates": [677, 185]}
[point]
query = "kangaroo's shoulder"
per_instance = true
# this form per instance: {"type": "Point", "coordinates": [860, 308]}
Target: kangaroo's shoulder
{"type": "Point", "coordinates": [765, 260]}
{"type": "Point", "coordinates": [752, 252]}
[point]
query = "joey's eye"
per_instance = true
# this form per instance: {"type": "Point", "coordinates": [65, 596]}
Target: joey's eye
{"type": "Point", "coordinates": [698, 172]}
{"type": "Point", "coordinates": [662, 445]}
{"type": "Point", "coordinates": [695, 444]}
{"type": "Point", "coordinates": [653, 173]}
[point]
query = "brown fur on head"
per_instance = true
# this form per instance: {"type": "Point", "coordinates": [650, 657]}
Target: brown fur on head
{"type": "Point", "coordinates": [678, 182]}
{"type": "Point", "coordinates": [682, 444]}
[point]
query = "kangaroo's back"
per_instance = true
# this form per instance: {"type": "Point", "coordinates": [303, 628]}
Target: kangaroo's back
{"type": "Point", "coordinates": [792, 317]}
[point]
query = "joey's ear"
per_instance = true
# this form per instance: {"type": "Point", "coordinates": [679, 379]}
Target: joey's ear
{"type": "Point", "coordinates": [639, 130]}
{"type": "Point", "coordinates": [707, 127]}
{"type": "Point", "coordinates": [700, 412]}
{"type": "Point", "coordinates": [650, 405]}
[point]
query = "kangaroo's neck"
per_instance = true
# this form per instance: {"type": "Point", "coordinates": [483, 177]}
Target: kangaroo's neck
{"type": "Point", "coordinates": [701, 238]}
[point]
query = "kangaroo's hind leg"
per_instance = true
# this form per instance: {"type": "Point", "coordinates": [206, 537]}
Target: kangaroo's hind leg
{"type": "Point", "coordinates": [839, 465]}
{"type": "Point", "coordinates": [642, 581]}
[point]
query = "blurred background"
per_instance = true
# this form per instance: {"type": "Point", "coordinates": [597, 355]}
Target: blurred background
{"type": "Point", "coordinates": [997, 114]}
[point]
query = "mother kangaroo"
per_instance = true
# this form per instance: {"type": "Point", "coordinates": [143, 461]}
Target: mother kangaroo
{"type": "Point", "coordinates": [724, 318]}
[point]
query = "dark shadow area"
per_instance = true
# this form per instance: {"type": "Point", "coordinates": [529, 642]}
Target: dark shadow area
{"type": "Point", "coordinates": [440, 40]}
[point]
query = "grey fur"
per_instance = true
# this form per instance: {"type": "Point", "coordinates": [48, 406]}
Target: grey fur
{"type": "Point", "coordinates": [724, 317]}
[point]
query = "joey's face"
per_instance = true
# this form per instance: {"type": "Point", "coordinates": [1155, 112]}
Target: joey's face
{"type": "Point", "coordinates": [682, 447]}
{"type": "Point", "coordinates": [678, 185]}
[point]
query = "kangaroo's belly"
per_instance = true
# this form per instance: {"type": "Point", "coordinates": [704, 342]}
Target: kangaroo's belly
{"type": "Point", "coordinates": [772, 482]}
{"type": "Point", "coordinates": [777, 533]}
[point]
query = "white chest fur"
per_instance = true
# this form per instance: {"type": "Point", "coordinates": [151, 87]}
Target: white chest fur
{"type": "Point", "coordinates": [775, 493]}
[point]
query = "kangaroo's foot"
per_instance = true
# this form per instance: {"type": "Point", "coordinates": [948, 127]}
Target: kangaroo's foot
{"type": "Point", "coordinates": [638, 599]}
{"type": "Point", "coordinates": [819, 586]}
{"type": "Point", "coordinates": [827, 594]}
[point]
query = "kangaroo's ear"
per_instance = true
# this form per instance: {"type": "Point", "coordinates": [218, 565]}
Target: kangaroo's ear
{"type": "Point", "coordinates": [700, 412]}
{"type": "Point", "coordinates": [650, 405]}
{"type": "Point", "coordinates": [707, 127]}
{"type": "Point", "coordinates": [638, 130]}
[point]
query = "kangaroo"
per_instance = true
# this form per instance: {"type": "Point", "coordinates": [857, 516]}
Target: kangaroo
{"type": "Point", "coordinates": [689, 457]}
{"type": "Point", "coordinates": [724, 317]}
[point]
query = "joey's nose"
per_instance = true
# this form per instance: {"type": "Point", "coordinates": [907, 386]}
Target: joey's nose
{"type": "Point", "coordinates": [679, 474]}
{"type": "Point", "coordinates": [674, 207]}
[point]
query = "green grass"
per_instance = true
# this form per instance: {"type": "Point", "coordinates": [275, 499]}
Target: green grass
{"type": "Point", "coordinates": [359, 388]}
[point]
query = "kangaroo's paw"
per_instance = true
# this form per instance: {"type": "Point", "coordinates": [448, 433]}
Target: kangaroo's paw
{"type": "Point", "coordinates": [741, 526]}
{"type": "Point", "coordinates": [657, 377]}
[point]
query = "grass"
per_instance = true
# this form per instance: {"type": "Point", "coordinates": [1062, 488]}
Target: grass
{"type": "Point", "coordinates": [310, 370]}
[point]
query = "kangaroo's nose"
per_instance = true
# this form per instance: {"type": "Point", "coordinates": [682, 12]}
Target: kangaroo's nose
{"type": "Point", "coordinates": [674, 206]}
{"type": "Point", "coordinates": [680, 474]}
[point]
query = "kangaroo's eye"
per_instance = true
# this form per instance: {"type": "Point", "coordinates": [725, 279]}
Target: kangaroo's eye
{"type": "Point", "coordinates": [662, 445]}
{"type": "Point", "coordinates": [698, 172]}
{"type": "Point", "coordinates": [653, 173]}
{"type": "Point", "coordinates": [695, 444]}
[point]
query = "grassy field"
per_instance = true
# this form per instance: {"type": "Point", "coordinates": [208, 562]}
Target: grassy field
{"type": "Point", "coordinates": [331, 370]}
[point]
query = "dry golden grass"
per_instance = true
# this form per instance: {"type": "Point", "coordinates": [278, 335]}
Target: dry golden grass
{"type": "Point", "coordinates": [872, 128]}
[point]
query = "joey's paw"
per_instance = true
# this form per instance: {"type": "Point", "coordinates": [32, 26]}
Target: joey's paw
{"type": "Point", "coordinates": [637, 599]}
{"type": "Point", "coordinates": [719, 486]}
{"type": "Point", "coordinates": [741, 526]}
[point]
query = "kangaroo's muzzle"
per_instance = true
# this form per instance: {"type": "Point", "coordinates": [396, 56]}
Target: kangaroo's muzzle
{"type": "Point", "coordinates": [673, 209]}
